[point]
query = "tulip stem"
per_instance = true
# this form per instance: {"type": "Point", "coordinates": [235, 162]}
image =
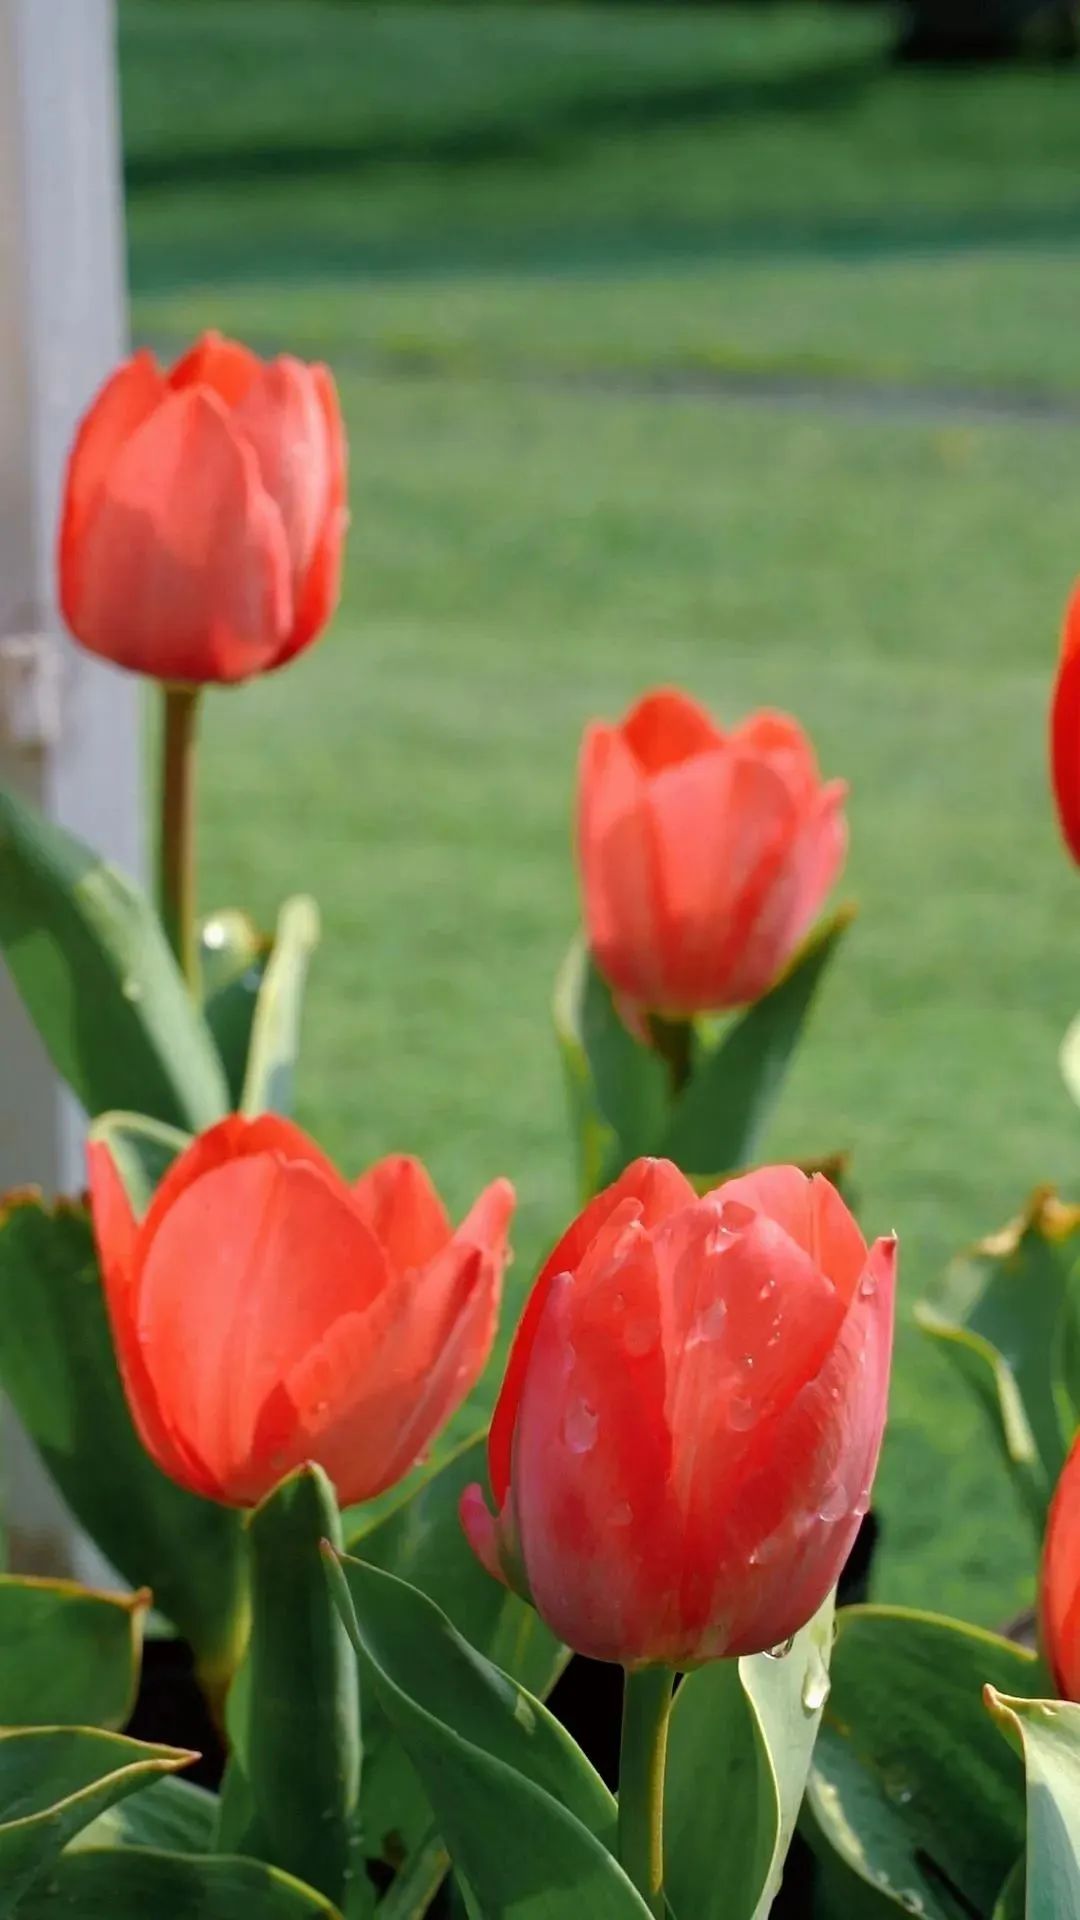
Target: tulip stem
{"type": "Point", "coordinates": [673, 1040]}
{"type": "Point", "coordinates": [646, 1712]}
{"type": "Point", "coordinates": [177, 852]}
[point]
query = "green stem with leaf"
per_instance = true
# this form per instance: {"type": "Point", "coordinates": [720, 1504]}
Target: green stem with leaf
{"type": "Point", "coordinates": [643, 1756]}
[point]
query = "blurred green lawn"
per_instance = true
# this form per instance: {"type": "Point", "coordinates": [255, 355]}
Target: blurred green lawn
{"type": "Point", "coordinates": [462, 208]}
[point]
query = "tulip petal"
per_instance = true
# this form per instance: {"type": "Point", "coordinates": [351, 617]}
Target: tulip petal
{"type": "Point", "coordinates": [487, 1223]}
{"type": "Point", "coordinates": [780, 740]}
{"type": "Point", "coordinates": [792, 1522]}
{"type": "Point", "coordinates": [397, 1199]}
{"type": "Point", "coordinates": [183, 567]}
{"type": "Point", "coordinates": [230, 1139]}
{"type": "Point", "coordinates": [116, 1233]}
{"type": "Point", "coordinates": [1065, 730]}
{"type": "Point", "coordinates": [224, 366]}
{"type": "Point", "coordinates": [1059, 1581]}
{"type": "Point", "coordinates": [318, 593]}
{"type": "Point", "coordinates": [481, 1530]}
{"type": "Point", "coordinates": [251, 1267]}
{"type": "Point", "coordinates": [282, 418]}
{"type": "Point", "coordinates": [128, 398]}
{"type": "Point", "coordinates": [660, 1189]}
{"type": "Point", "coordinates": [667, 727]}
{"type": "Point", "coordinates": [619, 854]}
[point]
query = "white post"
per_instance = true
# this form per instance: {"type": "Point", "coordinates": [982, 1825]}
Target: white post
{"type": "Point", "coordinates": [69, 728]}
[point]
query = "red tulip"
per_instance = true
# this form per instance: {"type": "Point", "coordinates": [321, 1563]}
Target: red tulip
{"type": "Point", "coordinates": [266, 1314]}
{"type": "Point", "coordinates": [1059, 1584]}
{"type": "Point", "coordinates": [690, 1421]}
{"type": "Point", "coordinates": [1065, 729]}
{"type": "Point", "coordinates": [704, 856]}
{"type": "Point", "coordinates": [204, 514]}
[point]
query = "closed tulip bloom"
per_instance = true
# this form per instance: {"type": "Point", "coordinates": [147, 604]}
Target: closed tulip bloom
{"type": "Point", "coordinates": [691, 1416]}
{"type": "Point", "coordinates": [266, 1314]}
{"type": "Point", "coordinates": [204, 514]}
{"type": "Point", "coordinates": [1059, 1585]}
{"type": "Point", "coordinates": [1065, 730]}
{"type": "Point", "coordinates": [704, 856]}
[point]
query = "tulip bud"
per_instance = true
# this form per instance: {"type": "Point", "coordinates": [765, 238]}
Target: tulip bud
{"type": "Point", "coordinates": [704, 857]}
{"type": "Point", "coordinates": [690, 1421]}
{"type": "Point", "coordinates": [265, 1314]}
{"type": "Point", "coordinates": [1065, 730]}
{"type": "Point", "coordinates": [204, 514]}
{"type": "Point", "coordinates": [1059, 1583]}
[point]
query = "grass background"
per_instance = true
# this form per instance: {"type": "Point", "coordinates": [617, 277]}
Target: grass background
{"type": "Point", "coordinates": [528, 239]}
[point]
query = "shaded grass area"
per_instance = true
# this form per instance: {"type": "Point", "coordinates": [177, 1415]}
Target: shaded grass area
{"type": "Point", "coordinates": [522, 561]}
{"type": "Point", "coordinates": [720, 186]}
{"type": "Point", "coordinates": [486, 190]}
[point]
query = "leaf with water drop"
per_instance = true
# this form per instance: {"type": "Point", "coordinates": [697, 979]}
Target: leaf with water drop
{"type": "Point", "coordinates": [742, 1734]}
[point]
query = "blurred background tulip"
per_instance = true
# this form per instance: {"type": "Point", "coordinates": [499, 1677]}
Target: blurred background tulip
{"type": "Point", "coordinates": [204, 514]}
{"type": "Point", "coordinates": [1059, 1586]}
{"type": "Point", "coordinates": [704, 856]}
{"type": "Point", "coordinates": [1065, 730]}
{"type": "Point", "coordinates": [690, 1421]}
{"type": "Point", "coordinates": [266, 1314]}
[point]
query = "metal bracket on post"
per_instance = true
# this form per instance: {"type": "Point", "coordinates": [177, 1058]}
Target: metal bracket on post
{"type": "Point", "coordinates": [30, 692]}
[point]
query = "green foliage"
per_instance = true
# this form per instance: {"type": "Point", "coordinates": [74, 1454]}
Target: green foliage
{"type": "Point", "coordinates": [87, 953]}
{"type": "Point", "coordinates": [275, 1030]}
{"type": "Point", "coordinates": [1048, 1735]}
{"type": "Point", "coordinates": [526, 1819]}
{"type": "Point", "coordinates": [58, 1366]}
{"type": "Point", "coordinates": [300, 1743]}
{"type": "Point", "coordinates": [53, 1782]}
{"type": "Point", "coordinates": [906, 1786]}
{"type": "Point", "coordinates": [68, 1657]}
{"type": "Point", "coordinates": [1005, 1317]}
{"type": "Point", "coordinates": [102, 1884]}
{"type": "Point", "coordinates": [742, 1733]}
{"type": "Point", "coordinates": [233, 957]}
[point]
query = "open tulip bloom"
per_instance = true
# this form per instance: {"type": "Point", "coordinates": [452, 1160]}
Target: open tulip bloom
{"type": "Point", "coordinates": [690, 1420]}
{"type": "Point", "coordinates": [267, 1314]}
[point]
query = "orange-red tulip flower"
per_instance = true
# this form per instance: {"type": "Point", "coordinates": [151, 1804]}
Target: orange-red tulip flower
{"type": "Point", "coordinates": [204, 514]}
{"type": "Point", "coordinates": [1059, 1585]}
{"type": "Point", "coordinates": [690, 1421]}
{"type": "Point", "coordinates": [704, 856]}
{"type": "Point", "coordinates": [1065, 730]}
{"type": "Point", "coordinates": [266, 1314]}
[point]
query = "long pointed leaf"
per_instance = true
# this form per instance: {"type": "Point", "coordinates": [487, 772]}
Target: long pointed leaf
{"type": "Point", "coordinates": [1047, 1733]}
{"type": "Point", "coordinates": [275, 1032]}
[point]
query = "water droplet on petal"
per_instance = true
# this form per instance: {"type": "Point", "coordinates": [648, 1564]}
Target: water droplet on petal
{"type": "Point", "coordinates": [835, 1504]}
{"type": "Point", "coordinates": [622, 1514]}
{"type": "Point", "coordinates": [868, 1283]}
{"type": "Point", "coordinates": [709, 1324]}
{"type": "Point", "coordinates": [579, 1426]}
{"type": "Point", "coordinates": [741, 1413]}
{"type": "Point", "coordinates": [815, 1686]}
{"type": "Point", "coordinates": [781, 1652]}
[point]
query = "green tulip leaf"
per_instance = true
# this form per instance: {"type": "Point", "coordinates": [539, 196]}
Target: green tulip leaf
{"type": "Point", "coordinates": [742, 1735]}
{"type": "Point", "coordinates": [1011, 1903]}
{"type": "Point", "coordinates": [53, 1782]}
{"type": "Point", "coordinates": [909, 1784]}
{"type": "Point", "coordinates": [1047, 1734]}
{"type": "Point", "coordinates": [999, 1317]}
{"type": "Point", "coordinates": [58, 1367]}
{"type": "Point", "coordinates": [88, 955]}
{"type": "Point", "coordinates": [275, 1031]}
{"type": "Point", "coordinates": [526, 1820]}
{"type": "Point", "coordinates": [300, 1742]}
{"type": "Point", "coordinates": [233, 956]}
{"type": "Point", "coordinates": [170, 1816]}
{"type": "Point", "coordinates": [106, 1884]}
{"type": "Point", "coordinates": [619, 1086]}
{"type": "Point", "coordinates": [1069, 1058]}
{"type": "Point", "coordinates": [68, 1657]}
{"type": "Point", "coordinates": [722, 1114]}
{"type": "Point", "coordinates": [420, 1539]}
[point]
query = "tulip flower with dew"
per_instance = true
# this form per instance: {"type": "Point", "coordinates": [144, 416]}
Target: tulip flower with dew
{"type": "Point", "coordinates": [688, 1429]}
